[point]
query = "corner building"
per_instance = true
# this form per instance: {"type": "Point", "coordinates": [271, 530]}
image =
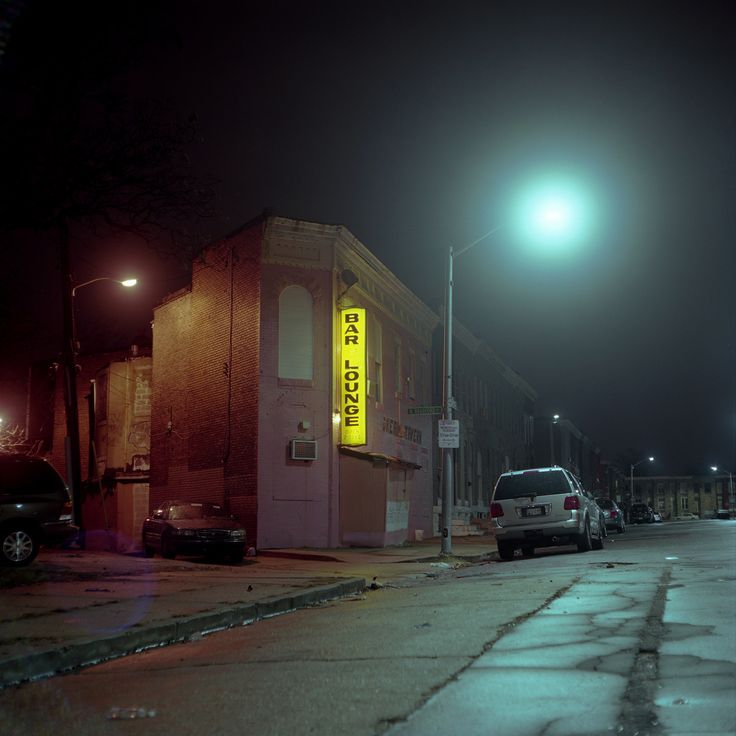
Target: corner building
{"type": "Point", "coordinates": [282, 383]}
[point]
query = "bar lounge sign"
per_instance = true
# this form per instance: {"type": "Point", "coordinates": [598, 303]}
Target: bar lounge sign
{"type": "Point", "coordinates": [352, 375]}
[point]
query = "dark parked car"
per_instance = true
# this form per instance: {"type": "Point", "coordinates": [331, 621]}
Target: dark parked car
{"type": "Point", "coordinates": [640, 513]}
{"type": "Point", "coordinates": [35, 508]}
{"type": "Point", "coordinates": [613, 514]}
{"type": "Point", "coordinates": [182, 527]}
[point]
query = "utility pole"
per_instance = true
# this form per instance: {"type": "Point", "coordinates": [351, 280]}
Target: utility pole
{"type": "Point", "coordinates": [69, 363]}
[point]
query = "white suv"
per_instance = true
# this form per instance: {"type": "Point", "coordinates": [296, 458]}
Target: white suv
{"type": "Point", "coordinates": [544, 507]}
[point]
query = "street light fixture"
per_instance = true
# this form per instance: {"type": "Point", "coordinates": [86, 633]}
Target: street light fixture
{"type": "Point", "coordinates": [631, 477]}
{"type": "Point", "coordinates": [549, 212]}
{"type": "Point", "coordinates": [69, 359]}
{"type": "Point", "coordinates": [715, 469]}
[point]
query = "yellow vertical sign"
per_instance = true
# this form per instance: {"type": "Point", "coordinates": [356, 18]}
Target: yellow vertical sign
{"type": "Point", "coordinates": [353, 376]}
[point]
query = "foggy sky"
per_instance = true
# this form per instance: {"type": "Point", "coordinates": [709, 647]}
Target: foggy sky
{"type": "Point", "coordinates": [417, 124]}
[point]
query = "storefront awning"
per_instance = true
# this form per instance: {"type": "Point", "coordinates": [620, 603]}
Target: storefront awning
{"type": "Point", "coordinates": [379, 457]}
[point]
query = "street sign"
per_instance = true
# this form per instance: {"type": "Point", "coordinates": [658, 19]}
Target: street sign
{"type": "Point", "coordinates": [425, 410]}
{"type": "Point", "coordinates": [448, 433]}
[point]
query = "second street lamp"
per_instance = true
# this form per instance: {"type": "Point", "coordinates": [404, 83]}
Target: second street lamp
{"type": "Point", "coordinates": [715, 469]}
{"type": "Point", "coordinates": [71, 404]}
{"type": "Point", "coordinates": [631, 477]}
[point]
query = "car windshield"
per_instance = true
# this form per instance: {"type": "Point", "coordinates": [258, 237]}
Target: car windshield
{"type": "Point", "coordinates": [537, 483]}
{"type": "Point", "coordinates": [195, 511]}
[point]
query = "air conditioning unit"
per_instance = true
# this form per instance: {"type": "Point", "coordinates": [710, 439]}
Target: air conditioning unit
{"type": "Point", "coordinates": [303, 449]}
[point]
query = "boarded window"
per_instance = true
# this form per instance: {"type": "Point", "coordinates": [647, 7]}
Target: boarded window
{"type": "Point", "coordinates": [296, 336]}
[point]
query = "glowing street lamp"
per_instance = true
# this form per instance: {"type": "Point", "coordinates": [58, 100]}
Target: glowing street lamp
{"type": "Point", "coordinates": [549, 211]}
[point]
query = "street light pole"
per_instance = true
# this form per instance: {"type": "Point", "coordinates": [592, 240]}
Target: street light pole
{"type": "Point", "coordinates": [448, 498]}
{"type": "Point", "coordinates": [631, 478]}
{"type": "Point", "coordinates": [714, 468]}
{"type": "Point", "coordinates": [70, 351]}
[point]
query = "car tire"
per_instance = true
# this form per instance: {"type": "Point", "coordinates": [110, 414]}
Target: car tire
{"type": "Point", "coordinates": [18, 546]}
{"type": "Point", "coordinates": [597, 543]}
{"type": "Point", "coordinates": [505, 551]}
{"type": "Point", "coordinates": [168, 551]}
{"type": "Point", "coordinates": [237, 556]}
{"type": "Point", "coordinates": [585, 541]}
{"type": "Point", "coordinates": [620, 529]}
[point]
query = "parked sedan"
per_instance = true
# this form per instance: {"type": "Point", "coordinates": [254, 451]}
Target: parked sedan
{"type": "Point", "coordinates": [640, 513]}
{"type": "Point", "coordinates": [613, 514]}
{"type": "Point", "coordinates": [182, 527]}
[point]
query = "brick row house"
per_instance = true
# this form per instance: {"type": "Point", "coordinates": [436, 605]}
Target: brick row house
{"type": "Point", "coordinates": [249, 368]}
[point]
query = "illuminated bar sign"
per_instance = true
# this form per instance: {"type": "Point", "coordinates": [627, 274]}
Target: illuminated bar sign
{"type": "Point", "coordinates": [353, 381]}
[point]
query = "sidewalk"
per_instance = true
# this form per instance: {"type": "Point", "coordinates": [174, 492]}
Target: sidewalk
{"type": "Point", "coordinates": [72, 608]}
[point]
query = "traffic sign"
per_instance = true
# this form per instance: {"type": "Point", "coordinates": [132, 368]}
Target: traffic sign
{"type": "Point", "coordinates": [448, 433]}
{"type": "Point", "coordinates": [425, 410]}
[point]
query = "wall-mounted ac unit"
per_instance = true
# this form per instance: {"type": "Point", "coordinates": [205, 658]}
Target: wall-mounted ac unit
{"type": "Point", "coordinates": [303, 449]}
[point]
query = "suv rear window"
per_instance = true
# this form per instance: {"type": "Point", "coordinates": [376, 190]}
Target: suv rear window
{"type": "Point", "coordinates": [21, 475]}
{"type": "Point", "coordinates": [604, 503]}
{"type": "Point", "coordinates": [526, 484]}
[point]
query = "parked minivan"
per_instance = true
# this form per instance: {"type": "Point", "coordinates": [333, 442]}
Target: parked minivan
{"type": "Point", "coordinates": [35, 508]}
{"type": "Point", "coordinates": [544, 507]}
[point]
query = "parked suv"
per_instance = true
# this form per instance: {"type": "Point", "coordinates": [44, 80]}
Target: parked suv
{"type": "Point", "coordinates": [544, 507]}
{"type": "Point", "coordinates": [35, 508]}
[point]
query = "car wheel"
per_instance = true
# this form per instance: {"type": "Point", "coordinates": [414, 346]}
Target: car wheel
{"type": "Point", "coordinates": [19, 546]}
{"type": "Point", "coordinates": [598, 541]}
{"type": "Point", "coordinates": [168, 550]}
{"type": "Point", "coordinates": [237, 556]}
{"type": "Point", "coordinates": [585, 541]}
{"type": "Point", "coordinates": [620, 528]}
{"type": "Point", "coordinates": [505, 551]}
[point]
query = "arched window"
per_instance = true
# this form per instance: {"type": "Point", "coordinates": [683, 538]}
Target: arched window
{"type": "Point", "coordinates": [296, 333]}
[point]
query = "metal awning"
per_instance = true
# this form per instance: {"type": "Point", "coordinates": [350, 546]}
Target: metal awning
{"type": "Point", "coordinates": [379, 457]}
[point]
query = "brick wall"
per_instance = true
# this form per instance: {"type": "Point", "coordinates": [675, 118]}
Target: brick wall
{"type": "Point", "coordinates": [205, 383]}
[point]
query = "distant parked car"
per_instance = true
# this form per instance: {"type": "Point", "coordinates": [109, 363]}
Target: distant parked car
{"type": "Point", "coordinates": [35, 508]}
{"type": "Point", "coordinates": [641, 513]}
{"type": "Point", "coordinates": [183, 527]}
{"type": "Point", "coordinates": [544, 507]}
{"type": "Point", "coordinates": [657, 516]}
{"type": "Point", "coordinates": [613, 515]}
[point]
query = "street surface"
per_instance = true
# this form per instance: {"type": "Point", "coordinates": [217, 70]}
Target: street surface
{"type": "Point", "coordinates": [639, 638]}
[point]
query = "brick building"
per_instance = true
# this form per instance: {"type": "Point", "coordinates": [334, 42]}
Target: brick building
{"type": "Point", "coordinates": [282, 379]}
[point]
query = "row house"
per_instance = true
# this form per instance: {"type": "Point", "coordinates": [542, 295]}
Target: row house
{"type": "Point", "coordinates": [673, 496]}
{"type": "Point", "coordinates": [114, 400]}
{"type": "Point", "coordinates": [282, 382]}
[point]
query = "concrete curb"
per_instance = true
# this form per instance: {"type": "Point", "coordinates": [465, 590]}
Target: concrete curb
{"type": "Point", "coordinates": [40, 665]}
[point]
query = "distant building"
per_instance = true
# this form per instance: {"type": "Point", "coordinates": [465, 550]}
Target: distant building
{"type": "Point", "coordinates": [282, 382]}
{"type": "Point", "coordinates": [682, 495]}
{"type": "Point", "coordinates": [114, 399]}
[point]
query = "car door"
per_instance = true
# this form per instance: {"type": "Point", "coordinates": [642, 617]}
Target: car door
{"type": "Point", "coordinates": [155, 525]}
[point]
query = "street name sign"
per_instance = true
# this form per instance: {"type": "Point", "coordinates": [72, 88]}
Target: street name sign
{"type": "Point", "coordinates": [425, 410]}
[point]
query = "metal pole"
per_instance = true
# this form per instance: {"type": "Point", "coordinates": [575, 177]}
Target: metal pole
{"type": "Point", "coordinates": [730, 494]}
{"type": "Point", "coordinates": [631, 492]}
{"type": "Point", "coordinates": [449, 495]}
{"type": "Point", "coordinates": [69, 360]}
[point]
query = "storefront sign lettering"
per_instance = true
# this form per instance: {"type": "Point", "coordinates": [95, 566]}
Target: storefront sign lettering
{"type": "Point", "coordinates": [353, 376]}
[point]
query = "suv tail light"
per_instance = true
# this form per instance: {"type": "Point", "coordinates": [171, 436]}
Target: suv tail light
{"type": "Point", "coordinates": [614, 514]}
{"type": "Point", "coordinates": [571, 503]}
{"type": "Point", "coordinates": [496, 510]}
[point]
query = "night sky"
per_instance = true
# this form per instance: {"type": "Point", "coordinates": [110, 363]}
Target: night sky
{"type": "Point", "coordinates": [421, 126]}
